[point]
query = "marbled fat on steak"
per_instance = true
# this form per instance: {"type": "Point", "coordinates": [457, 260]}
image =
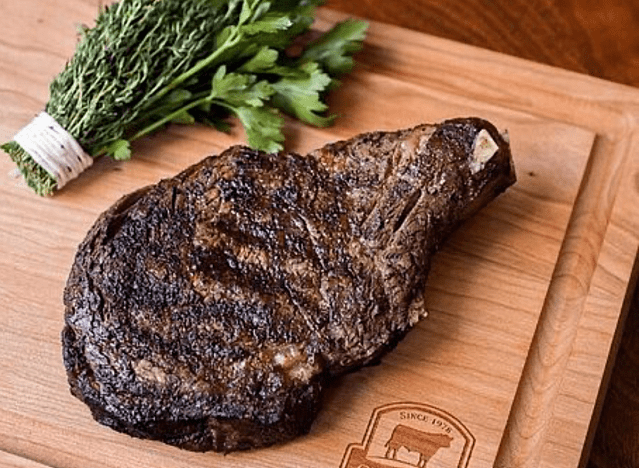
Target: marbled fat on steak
{"type": "Point", "coordinates": [209, 311]}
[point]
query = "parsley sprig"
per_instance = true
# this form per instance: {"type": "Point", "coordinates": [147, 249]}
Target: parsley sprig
{"type": "Point", "coordinates": [147, 63]}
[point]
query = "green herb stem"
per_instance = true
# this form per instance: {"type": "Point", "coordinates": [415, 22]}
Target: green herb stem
{"type": "Point", "coordinates": [168, 118]}
{"type": "Point", "coordinates": [193, 71]}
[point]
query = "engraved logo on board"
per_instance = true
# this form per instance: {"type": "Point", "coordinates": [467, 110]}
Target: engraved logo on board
{"type": "Point", "coordinates": [407, 435]}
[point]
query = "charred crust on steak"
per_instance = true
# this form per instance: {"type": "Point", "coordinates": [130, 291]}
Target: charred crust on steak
{"type": "Point", "coordinates": [209, 311]}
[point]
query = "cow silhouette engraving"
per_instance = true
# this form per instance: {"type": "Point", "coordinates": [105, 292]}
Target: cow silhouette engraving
{"type": "Point", "coordinates": [413, 440]}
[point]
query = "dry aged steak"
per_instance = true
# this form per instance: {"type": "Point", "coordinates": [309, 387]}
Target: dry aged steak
{"type": "Point", "coordinates": [209, 311]}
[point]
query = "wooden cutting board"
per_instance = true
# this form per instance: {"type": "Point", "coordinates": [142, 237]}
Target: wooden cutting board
{"type": "Point", "coordinates": [524, 300]}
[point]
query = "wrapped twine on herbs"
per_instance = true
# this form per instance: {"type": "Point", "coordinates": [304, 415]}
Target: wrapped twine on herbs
{"type": "Point", "coordinates": [147, 63]}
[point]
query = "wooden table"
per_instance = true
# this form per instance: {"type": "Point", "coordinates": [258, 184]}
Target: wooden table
{"type": "Point", "coordinates": [590, 128]}
{"type": "Point", "coordinates": [587, 36]}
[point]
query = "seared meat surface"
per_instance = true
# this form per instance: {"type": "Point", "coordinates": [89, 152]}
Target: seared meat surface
{"type": "Point", "coordinates": [210, 310]}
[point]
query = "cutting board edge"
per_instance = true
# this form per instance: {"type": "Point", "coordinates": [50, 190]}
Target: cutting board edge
{"type": "Point", "coordinates": [560, 317]}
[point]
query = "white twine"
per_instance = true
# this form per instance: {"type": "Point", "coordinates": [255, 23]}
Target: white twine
{"type": "Point", "coordinates": [53, 148]}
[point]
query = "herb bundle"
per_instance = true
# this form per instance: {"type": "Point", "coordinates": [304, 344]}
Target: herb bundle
{"type": "Point", "coordinates": [147, 63]}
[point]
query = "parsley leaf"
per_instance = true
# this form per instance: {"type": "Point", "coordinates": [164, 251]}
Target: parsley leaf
{"type": "Point", "coordinates": [263, 61]}
{"type": "Point", "coordinates": [263, 127]}
{"type": "Point", "coordinates": [246, 97]}
{"type": "Point", "coordinates": [300, 96]}
{"type": "Point", "coordinates": [334, 50]}
{"type": "Point", "coordinates": [237, 89]}
{"type": "Point", "coordinates": [268, 24]}
{"type": "Point", "coordinates": [120, 149]}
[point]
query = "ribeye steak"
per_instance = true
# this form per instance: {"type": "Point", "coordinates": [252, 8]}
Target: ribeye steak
{"type": "Point", "coordinates": [209, 311]}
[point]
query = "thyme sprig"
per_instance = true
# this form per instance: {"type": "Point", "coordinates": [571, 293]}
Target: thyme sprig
{"type": "Point", "coordinates": [147, 63]}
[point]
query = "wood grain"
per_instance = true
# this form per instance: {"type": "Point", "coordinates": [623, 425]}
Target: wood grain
{"type": "Point", "coordinates": [558, 324]}
{"type": "Point", "coordinates": [8, 460]}
{"type": "Point", "coordinates": [614, 123]}
{"type": "Point", "coordinates": [586, 36]}
{"type": "Point", "coordinates": [565, 237]}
